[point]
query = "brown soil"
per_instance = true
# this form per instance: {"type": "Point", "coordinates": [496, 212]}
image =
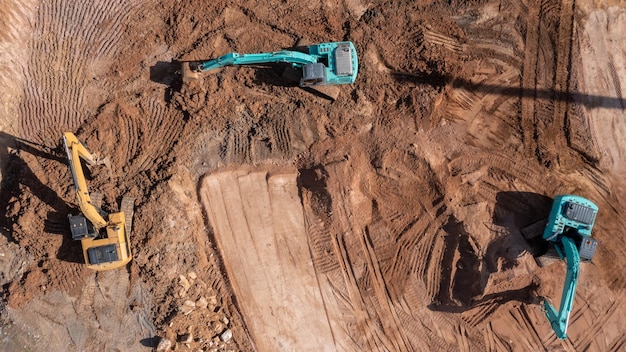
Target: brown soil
{"type": "Point", "coordinates": [388, 219]}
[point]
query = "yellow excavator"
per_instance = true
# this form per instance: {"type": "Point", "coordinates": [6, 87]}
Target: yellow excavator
{"type": "Point", "coordinates": [103, 236]}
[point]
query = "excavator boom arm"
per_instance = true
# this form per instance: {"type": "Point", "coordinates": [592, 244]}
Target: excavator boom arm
{"type": "Point", "coordinates": [75, 151]}
{"type": "Point", "coordinates": [294, 57]}
{"type": "Point", "coordinates": [559, 320]}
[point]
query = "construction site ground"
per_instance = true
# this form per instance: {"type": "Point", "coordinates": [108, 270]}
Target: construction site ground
{"type": "Point", "coordinates": [270, 218]}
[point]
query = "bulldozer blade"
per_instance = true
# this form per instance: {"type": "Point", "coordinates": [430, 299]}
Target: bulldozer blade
{"type": "Point", "coordinates": [188, 74]}
{"type": "Point", "coordinates": [128, 207]}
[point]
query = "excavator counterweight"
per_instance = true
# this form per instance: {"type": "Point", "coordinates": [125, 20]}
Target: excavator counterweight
{"type": "Point", "coordinates": [103, 236]}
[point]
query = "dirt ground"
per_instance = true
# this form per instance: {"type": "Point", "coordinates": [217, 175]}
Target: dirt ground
{"type": "Point", "coordinates": [268, 218]}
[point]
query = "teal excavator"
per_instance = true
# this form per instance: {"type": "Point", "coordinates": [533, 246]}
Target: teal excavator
{"type": "Point", "coordinates": [568, 230]}
{"type": "Point", "coordinates": [319, 64]}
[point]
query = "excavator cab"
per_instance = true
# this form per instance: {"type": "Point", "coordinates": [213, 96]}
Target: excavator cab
{"type": "Point", "coordinates": [81, 228]}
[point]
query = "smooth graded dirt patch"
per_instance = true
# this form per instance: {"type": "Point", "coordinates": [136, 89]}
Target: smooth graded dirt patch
{"type": "Point", "coordinates": [259, 227]}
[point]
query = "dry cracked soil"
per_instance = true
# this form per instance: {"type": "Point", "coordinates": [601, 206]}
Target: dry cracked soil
{"type": "Point", "coordinates": [270, 218]}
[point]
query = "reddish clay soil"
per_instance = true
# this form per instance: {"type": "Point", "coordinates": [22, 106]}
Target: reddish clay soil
{"type": "Point", "coordinates": [269, 218]}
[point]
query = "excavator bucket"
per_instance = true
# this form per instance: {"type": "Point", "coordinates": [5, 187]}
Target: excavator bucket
{"type": "Point", "coordinates": [98, 161]}
{"type": "Point", "coordinates": [188, 74]}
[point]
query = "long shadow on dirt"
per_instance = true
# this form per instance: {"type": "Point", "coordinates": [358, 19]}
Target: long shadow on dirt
{"type": "Point", "coordinates": [518, 212]}
{"type": "Point", "coordinates": [464, 274]}
{"type": "Point", "coordinates": [313, 180]}
{"type": "Point", "coordinates": [17, 175]}
{"type": "Point", "coordinates": [438, 80]}
{"type": "Point", "coordinates": [460, 270]}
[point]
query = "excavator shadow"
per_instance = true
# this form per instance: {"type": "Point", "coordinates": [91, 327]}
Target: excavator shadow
{"type": "Point", "coordinates": [16, 157]}
{"type": "Point", "coordinates": [460, 270]}
{"type": "Point", "coordinates": [168, 74]}
{"type": "Point", "coordinates": [522, 295]}
{"type": "Point", "coordinates": [463, 281]}
{"type": "Point", "coordinates": [523, 216]}
{"type": "Point", "coordinates": [464, 274]}
{"type": "Point", "coordinates": [70, 250]}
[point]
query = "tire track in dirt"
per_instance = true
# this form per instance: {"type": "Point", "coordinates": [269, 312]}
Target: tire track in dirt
{"type": "Point", "coordinates": [162, 128]}
{"type": "Point", "coordinates": [373, 337]}
{"type": "Point", "coordinates": [437, 38]}
{"type": "Point", "coordinates": [504, 53]}
{"type": "Point", "coordinates": [616, 83]}
{"type": "Point", "coordinates": [434, 326]}
{"type": "Point", "coordinates": [77, 42]}
{"type": "Point", "coordinates": [136, 124]}
{"type": "Point", "coordinates": [254, 139]}
{"type": "Point", "coordinates": [412, 236]}
{"type": "Point", "coordinates": [529, 80]}
{"type": "Point", "coordinates": [406, 259]}
{"type": "Point", "coordinates": [461, 336]}
{"type": "Point", "coordinates": [557, 129]}
{"type": "Point", "coordinates": [15, 29]}
{"type": "Point", "coordinates": [493, 342]}
{"type": "Point", "coordinates": [384, 290]}
{"type": "Point", "coordinates": [238, 145]}
{"type": "Point", "coordinates": [383, 242]}
{"type": "Point", "coordinates": [477, 105]}
{"type": "Point", "coordinates": [380, 287]}
{"type": "Point", "coordinates": [320, 241]}
{"type": "Point", "coordinates": [481, 314]}
{"type": "Point", "coordinates": [281, 136]}
{"type": "Point", "coordinates": [579, 132]}
{"type": "Point", "coordinates": [417, 323]}
{"type": "Point", "coordinates": [584, 341]}
{"type": "Point", "coordinates": [389, 336]}
{"type": "Point", "coordinates": [523, 330]}
{"type": "Point", "coordinates": [432, 272]}
{"type": "Point", "coordinates": [618, 344]}
{"type": "Point", "coordinates": [372, 329]}
{"type": "Point", "coordinates": [493, 173]}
